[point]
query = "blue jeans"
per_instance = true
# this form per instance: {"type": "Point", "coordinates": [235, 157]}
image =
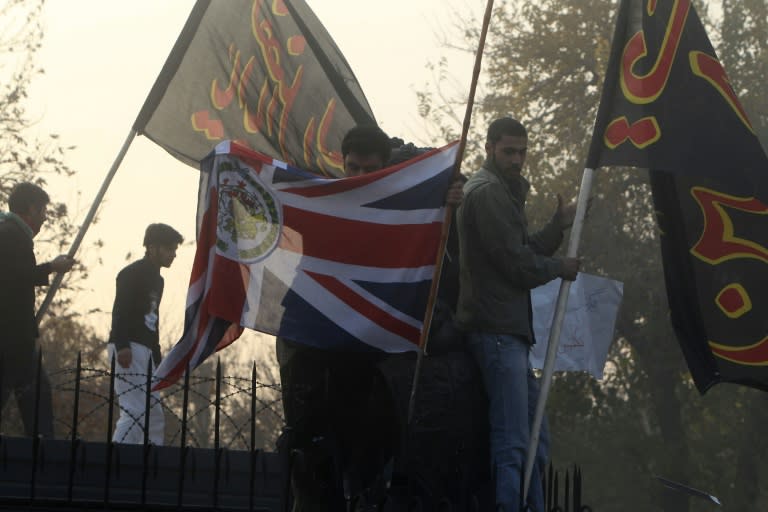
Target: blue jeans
{"type": "Point", "coordinates": [512, 395]}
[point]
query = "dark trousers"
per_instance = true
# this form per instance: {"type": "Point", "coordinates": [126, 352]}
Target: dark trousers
{"type": "Point", "coordinates": [19, 376]}
{"type": "Point", "coordinates": [342, 398]}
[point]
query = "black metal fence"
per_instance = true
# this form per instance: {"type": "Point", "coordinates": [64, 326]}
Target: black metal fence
{"type": "Point", "coordinates": [207, 409]}
{"type": "Point", "coordinates": [215, 457]}
{"type": "Point", "coordinates": [569, 483]}
{"type": "Point", "coordinates": [79, 475]}
{"type": "Point", "coordinates": [218, 466]}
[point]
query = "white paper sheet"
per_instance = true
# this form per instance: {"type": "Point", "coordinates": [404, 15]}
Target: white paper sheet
{"type": "Point", "coordinates": [588, 327]}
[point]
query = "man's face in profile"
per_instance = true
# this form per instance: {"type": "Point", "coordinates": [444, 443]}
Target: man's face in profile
{"type": "Point", "coordinates": [36, 216]}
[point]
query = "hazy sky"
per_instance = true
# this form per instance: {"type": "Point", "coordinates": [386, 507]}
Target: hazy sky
{"type": "Point", "coordinates": [101, 57]}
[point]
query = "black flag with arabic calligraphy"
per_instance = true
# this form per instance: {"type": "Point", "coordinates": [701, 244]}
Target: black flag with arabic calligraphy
{"type": "Point", "coordinates": [264, 73]}
{"type": "Point", "coordinates": [668, 105]}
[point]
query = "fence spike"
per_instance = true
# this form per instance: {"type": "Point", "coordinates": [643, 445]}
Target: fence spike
{"type": "Point", "coordinates": [183, 446]}
{"type": "Point", "coordinates": [252, 479]}
{"type": "Point", "coordinates": [38, 376]}
{"type": "Point", "coordinates": [147, 401]}
{"type": "Point", "coordinates": [217, 406]}
{"type": "Point", "coordinates": [253, 407]}
{"type": "Point", "coordinates": [147, 405]}
{"type": "Point", "coordinates": [35, 428]}
{"type": "Point", "coordinates": [216, 439]}
{"type": "Point", "coordinates": [73, 439]}
{"type": "Point", "coordinates": [185, 407]}
{"type": "Point", "coordinates": [109, 444]}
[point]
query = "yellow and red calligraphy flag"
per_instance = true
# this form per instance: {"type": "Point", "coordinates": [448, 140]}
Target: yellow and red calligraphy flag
{"type": "Point", "coordinates": [264, 73]}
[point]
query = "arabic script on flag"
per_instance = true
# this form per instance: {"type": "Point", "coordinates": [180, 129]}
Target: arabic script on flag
{"type": "Point", "coordinates": [264, 73]}
{"type": "Point", "coordinates": [668, 105]}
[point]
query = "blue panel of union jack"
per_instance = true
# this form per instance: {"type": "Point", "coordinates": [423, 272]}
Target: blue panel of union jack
{"type": "Point", "coordinates": [337, 263]}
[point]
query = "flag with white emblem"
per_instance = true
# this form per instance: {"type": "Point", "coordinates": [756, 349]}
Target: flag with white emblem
{"type": "Point", "coordinates": [336, 263]}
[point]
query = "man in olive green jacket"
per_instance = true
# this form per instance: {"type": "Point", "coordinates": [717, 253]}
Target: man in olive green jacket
{"type": "Point", "coordinates": [500, 262]}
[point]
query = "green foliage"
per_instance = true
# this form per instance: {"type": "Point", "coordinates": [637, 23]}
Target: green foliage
{"type": "Point", "coordinates": [22, 158]}
{"type": "Point", "coordinates": [744, 54]}
{"type": "Point", "coordinates": [544, 64]}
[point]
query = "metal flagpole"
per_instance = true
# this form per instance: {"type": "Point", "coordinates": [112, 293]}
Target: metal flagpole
{"type": "Point", "coordinates": [449, 210]}
{"type": "Point", "coordinates": [557, 324]}
{"type": "Point", "coordinates": [86, 224]}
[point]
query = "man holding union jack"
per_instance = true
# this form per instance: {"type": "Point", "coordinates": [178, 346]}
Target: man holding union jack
{"type": "Point", "coordinates": [335, 404]}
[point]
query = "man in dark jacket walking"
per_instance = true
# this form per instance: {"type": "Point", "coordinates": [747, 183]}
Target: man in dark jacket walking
{"type": "Point", "coordinates": [19, 274]}
{"type": "Point", "coordinates": [134, 340]}
{"type": "Point", "coordinates": [500, 262]}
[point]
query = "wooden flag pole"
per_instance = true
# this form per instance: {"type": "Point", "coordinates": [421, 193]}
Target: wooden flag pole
{"type": "Point", "coordinates": [56, 284]}
{"type": "Point", "coordinates": [449, 211]}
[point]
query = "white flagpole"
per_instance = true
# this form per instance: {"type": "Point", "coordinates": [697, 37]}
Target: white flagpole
{"type": "Point", "coordinates": [86, 224]}
{"type": "Point", "coordinates": [557, 325]}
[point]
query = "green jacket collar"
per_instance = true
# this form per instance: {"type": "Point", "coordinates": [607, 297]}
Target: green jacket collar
{"type": "Point", "coordinates": [18, 220]}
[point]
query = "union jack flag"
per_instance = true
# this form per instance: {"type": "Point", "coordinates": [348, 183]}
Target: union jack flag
{"type": "Point", "coordinates": [337, 263]}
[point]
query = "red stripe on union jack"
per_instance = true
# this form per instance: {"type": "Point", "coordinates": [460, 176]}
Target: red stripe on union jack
{"type": "Point", "coordinates": [342, 263]}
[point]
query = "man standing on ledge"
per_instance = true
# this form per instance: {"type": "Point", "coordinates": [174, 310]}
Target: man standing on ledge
{"type": "Point", "coordinates": [134, 339]}
{"type": "Point", "coordinates": [500, 262]}
{"type": "Point", "coordinates": [334, 395]}
{"type": "Point", "coordinates": [19, 274]}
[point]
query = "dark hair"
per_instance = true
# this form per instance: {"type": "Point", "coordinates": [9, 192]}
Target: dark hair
{"type": "Point", "coordinates": [24, 195]}
{"type": "Point", "coordinates": [366, 140]}
{"type": "Point", "coordinates": [505, 126]}
{"type": "Point", "coordinates": [161, 234]}
{"type": "Point", "coordinates": [402, 152]}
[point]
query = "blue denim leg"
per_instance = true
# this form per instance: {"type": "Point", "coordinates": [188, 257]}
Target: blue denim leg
{"type": "Point", "coordinates": [512, 393]}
